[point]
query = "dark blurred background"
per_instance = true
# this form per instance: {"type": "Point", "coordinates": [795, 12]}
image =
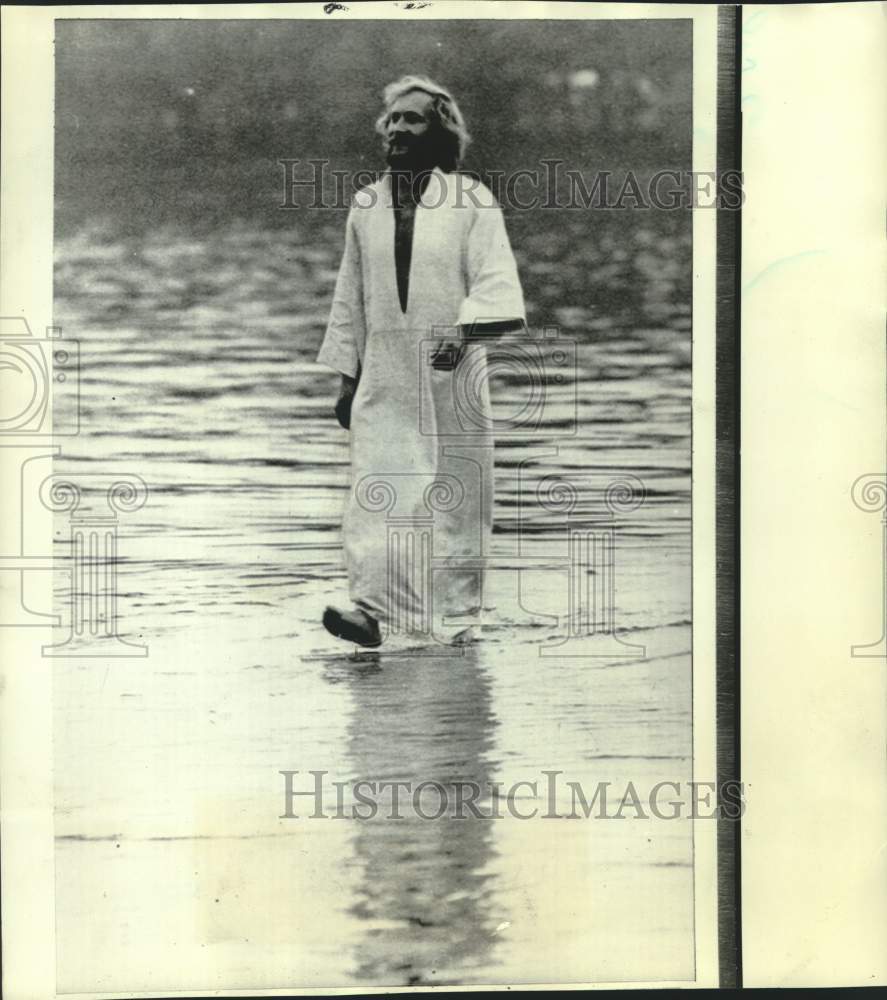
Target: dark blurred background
{"type": "Point", "coordinates": [187, 119]}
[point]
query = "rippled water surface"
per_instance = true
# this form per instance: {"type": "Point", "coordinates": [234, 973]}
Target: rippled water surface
{"type": "Point", "coordinates": [198, 375]}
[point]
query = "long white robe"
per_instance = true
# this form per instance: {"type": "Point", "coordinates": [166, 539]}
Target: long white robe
{"type": "Point", "coordinates": [419, 513]}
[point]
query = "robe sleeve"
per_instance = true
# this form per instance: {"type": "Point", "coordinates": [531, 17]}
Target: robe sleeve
{"type": "Point", "coordinates": [345, 336]}
{"type": "Point", "coordinates": [494, 291]}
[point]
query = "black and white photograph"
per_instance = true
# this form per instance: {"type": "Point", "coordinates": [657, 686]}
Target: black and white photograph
{"type": "Point", "coordinates": [382, 633]}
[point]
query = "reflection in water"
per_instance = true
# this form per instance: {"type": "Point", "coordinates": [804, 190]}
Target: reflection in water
{"type": "Point", "coordinates": [425, 898]}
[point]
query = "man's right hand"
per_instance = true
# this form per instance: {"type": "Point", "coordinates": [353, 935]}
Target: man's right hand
{"type": "Point", "coordinates": [342, 409]}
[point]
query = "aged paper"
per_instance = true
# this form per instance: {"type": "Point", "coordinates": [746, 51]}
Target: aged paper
{"type": "Point", "coordinates": [813, 442]}
{"type": "Point", "coordinates": [181, 774]}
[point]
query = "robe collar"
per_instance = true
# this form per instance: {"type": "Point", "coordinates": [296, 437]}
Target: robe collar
{"type": "Point", "coordinates": [435, 193]}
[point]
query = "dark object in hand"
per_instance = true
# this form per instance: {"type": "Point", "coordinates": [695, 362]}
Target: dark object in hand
{"type": "Point", "coordinates": [342, 409]}
{"type": "Point", "coordinates": [448, 353]}
{"type": "Point", "coordinates": [446, 357]}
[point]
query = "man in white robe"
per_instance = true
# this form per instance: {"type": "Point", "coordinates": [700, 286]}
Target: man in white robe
{"type": "Point", "coordinates": [426, 277]}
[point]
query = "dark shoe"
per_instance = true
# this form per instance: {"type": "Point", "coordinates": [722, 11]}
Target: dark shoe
{"type": "Point", "coordinates": [352, 626]}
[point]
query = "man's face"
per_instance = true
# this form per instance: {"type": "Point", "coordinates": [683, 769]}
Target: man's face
{"type": "Point", "coordinates": [406, 131]}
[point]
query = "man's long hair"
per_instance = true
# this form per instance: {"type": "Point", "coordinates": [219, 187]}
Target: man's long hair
{"type": "Point", "coordinates": [448, 126]}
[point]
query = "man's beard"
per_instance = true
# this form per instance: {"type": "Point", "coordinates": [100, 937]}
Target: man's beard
{"type": "Point", "coordinates": [417, 154]}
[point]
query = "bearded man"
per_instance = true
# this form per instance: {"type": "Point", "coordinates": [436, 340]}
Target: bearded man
{"type": "Point", "coordinates": [427, 277]}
